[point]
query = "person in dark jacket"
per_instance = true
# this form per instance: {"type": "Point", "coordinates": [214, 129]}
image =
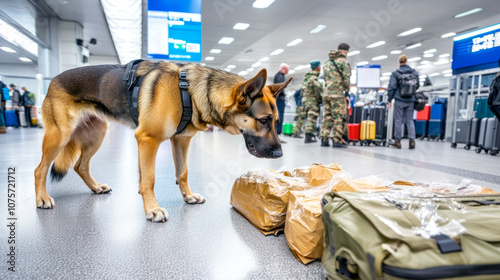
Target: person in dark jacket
{"type": "Point", "coordinates": [3, 126]}
{"type": "Point", "coordinates": [280, 99]}
{"type": "Point", "coordinates": [16, 102]}
{"type": "Point", "coordinates": [403, 106]}
{"type": "Point", "coordinates": [28, 103]}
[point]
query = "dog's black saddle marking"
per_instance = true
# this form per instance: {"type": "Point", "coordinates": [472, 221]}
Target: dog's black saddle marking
{"type": "Point", "coordinates": [134, 84]}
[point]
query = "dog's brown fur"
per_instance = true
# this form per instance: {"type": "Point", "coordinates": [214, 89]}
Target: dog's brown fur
{"type": "Point", "coordinates": [80, 101]}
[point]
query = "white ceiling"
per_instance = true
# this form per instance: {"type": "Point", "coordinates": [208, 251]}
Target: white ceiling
{"type": "Point", "coordinates": [285, 20]}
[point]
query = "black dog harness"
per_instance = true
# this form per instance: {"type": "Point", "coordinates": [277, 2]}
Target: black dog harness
{"type": "Point", "coordinates": [134, 84]}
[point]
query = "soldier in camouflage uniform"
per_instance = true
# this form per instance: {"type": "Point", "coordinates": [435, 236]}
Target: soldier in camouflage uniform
{"type": "Point", "coordinates": [312, 91]}
{"type": "Point", "coordinates": [299, 116]}
{"type": "Point", "coordinates": [337, 74]}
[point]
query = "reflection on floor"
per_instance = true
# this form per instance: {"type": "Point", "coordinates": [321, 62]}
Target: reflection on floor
{"type": "Point", "coordinates": [91, 236]}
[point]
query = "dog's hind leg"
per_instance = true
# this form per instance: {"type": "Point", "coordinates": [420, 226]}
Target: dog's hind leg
{"type": "Point", "coordinates": [88, 136]}
{"type": "Point", "coordinates": [180, 147]}
{"type": "Point", "coordinates": [148, 147]}
{"type": "Point", "coordinates": [56, 137]}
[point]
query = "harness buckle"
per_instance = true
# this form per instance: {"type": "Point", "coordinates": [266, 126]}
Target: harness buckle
{"type": "Point", "coordinates": [183, 84]}
{"type": "Point", "coordinates": [183, 75]}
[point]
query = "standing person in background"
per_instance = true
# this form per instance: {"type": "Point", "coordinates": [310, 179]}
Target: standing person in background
{"type": "Point", "coordinates": [16, 101]}
{"type": "Point", "coordinates": [3, 127]}
{"type": "Point", "coordinates": [280, 98]}
{"type": "Point", "coordinates": [402, 88]}
{"type": "Point", "coordinates": [312, 92]}
{"type": "Point", "coordinates": [28, 103]}
{"type": "Point", "coordinates": [337, 74]}
{"type": "Point", "coordinates": [494, 97]}
{"type": "Point", "coordinates": [299, 115]}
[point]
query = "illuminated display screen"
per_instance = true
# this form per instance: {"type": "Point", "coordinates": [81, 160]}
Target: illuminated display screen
{"type": "Point", "coordinates": [476, 50]}
{"type": "Point", "coordinates": [174, 29]}
{"type": "Point", "coordinates": [368, 76]}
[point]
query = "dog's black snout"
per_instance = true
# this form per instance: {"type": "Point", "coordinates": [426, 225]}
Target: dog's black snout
{"type": "Point", "coordinates": [277, 153]}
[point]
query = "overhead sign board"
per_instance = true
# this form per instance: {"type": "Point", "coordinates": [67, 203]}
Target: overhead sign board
{"type": "Point", "coordinates": [368, 76]}
{"type": "Point", "coordinates": [174, 30]}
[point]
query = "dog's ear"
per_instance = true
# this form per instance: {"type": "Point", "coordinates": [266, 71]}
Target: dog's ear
{"type": "Point", "coordinates": [276, 88]}
{"type": "Point", "coordinates": [253, 87]}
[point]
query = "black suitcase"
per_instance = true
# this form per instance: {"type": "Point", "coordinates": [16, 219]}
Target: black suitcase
{"type": "Point", "coordinates": [366, 113]}
{"type": "Point", "coordinates": [474, 133]}
{"type": "Point", "coordinates": [378, 114]}
{"type": "Point", "coordinates": [462, 133]}
{"type": "Point", "coordinates": [492, 137]}
{"type": "Point", "coordinates": [357, 113]}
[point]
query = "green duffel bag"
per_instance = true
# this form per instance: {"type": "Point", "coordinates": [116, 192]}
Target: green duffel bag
{"type": "Point", "coordinates": [387, 235]}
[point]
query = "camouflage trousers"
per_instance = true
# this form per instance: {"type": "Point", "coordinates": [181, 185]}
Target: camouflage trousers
{"type": "Point", "coordinates": [299, 120]}
{"type": "Point", "coordinates": [334, 116]}
{"type": "Point", "coordinates": [310, 114]}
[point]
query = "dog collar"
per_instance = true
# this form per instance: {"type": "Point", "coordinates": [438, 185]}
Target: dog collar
{"type": "Point", "coordinates": [187, 108]}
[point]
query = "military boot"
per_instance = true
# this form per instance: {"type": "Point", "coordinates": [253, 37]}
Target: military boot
{"type": "Point", "coordinates": [324, 142]}
{"type": "Point", "coordinates": [310, 138]}
{"type": "Point", "coordinates": [412, 144]}
{"type": "Point", "coordinates": [297, 135]}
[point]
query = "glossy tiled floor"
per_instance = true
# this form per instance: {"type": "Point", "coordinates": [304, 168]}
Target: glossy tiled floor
{"type": "Point", "coordinates": [90, 236]}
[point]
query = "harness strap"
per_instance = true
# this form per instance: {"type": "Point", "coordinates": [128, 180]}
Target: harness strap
{"type": "Point", "coordinates": [133, 86]}
{"type": "Point", "coordinates": [187, 108]}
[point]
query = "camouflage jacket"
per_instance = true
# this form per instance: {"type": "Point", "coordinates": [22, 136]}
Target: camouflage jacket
{"type": "Point", "coordinates": [312, 89]}
{"type": "Point", "coordinates": [337, 83]}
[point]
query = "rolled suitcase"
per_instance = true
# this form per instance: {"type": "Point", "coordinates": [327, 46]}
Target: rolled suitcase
{"type": "Point", "coordinates": [482, 135]}
{"type": "Point", "coordinates": [354, 131]}
{"type": "Point", "coordinates": [378, 115]}
{"type": "Point", "coordinates": [11, 118]}
{"type": "Point", "coordinates": [491, 137]}
{"type": "Point", "coordinates": [436, 129]}
{"type": "Point", "coordinates": [357, 114]}
{"type": "Point", "coordinates": [462, 133]}
{"type": "Point", "coordinates": [366, 113]}
{"type": "Point", "coordinates": [367, 133]}
{"type": "Point", "coordinates": [425, 114]}
{"type": "Point", "coordinates": [421, 127]}
{"type": "Point", "coordinates": [381, 236]}
{"type": "Point", "coordinates": [474, 132]}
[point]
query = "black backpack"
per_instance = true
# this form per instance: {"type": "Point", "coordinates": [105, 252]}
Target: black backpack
{"type": "Point", "coordinates": [408, 83]}
{"type": "Point", "coordinates": [420, 101]}
{"type": "Point", "coordinates": [494, 97]}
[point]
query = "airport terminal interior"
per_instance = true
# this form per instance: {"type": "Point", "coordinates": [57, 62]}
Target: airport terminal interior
{"type": "Point", "coordinates": [252, 224]}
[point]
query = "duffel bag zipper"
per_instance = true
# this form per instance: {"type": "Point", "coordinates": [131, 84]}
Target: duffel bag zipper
{"type": "Point", "coordinates": [442, 271]}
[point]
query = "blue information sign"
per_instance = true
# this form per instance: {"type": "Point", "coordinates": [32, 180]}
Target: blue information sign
{"type": "Point", "coordinates": [174, 29]}
{"type": "Point", "coordinates": [476, 50]}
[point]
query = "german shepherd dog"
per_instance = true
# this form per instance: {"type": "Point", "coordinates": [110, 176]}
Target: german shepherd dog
{"type": "Point", "coordinates": [80, 101]}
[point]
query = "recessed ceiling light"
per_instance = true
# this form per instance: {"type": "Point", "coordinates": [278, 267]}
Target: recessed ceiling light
{"type": "Point", "coordinates": [447, 71]}
{"type": "Point", "coordinates": [441, 62]}
{"type": "Point", "coordinates": [430, 51]}
{"type": "Point", "coordinates": [317, 29]}
{"type": "Point", "coordinates": [242, 73]}
{"type": "Point", "coordinates": [228, 70]}
{"type": "Point", "coordinates": [433, 74]}
{"type": "Point", "coordinates": [473, 11]}
{"type": "Point", "coordinates": [387, 74]}
{"type": "Point", "coordinates": [25, 59]}
{"type": "Point", "coordinates": [262, 4]}
{"type": "Point", "coordinates": [215, 51]}
{"type": "Point", "coordinates": [444, 55]}
{"type": "Point", "coordinates": [203, 64]}
{"type": "Point", "coordinates": [380, 57]}
{"type": "Point", "coordinates": [231, 66]}
{"type": "Point", "coordinates": [414, 59]}
{"type": "Point", "coordinates": [425, 62]}
{"type": "Point", "coordinates": [250, 69]}
{"type": "Point", "coordinates": [384, 78]}
{"type": "Point", "coordinates": [294, 42]}
{"type": "Point", "coordinates": [276, 52]}
{"type": "Point", "coordinates": [376, 44]}
{"type": "Point", "coordinates": [256, 64]}
{"type": "Point", "coordinates": [448, 75]}
{"type": "Point", "coordinates": [353, 53]}
{"type": "Point", "coordinates": [264, 59]}
{"type": "Point", "coordinates": [362, 63]}
{"type": "Point", "coordinates": [451, 34]}
{"type": "Point", "coordinates": [7, 49]}
{"type": "Point", "coordinates": [241, 26]}
{"type": "Point", "coordinates": [411, 31]}
{"type": "Point", "coordinates": [291, 71]}
{"type": "Point", "coordinates": [413, 46]}
{"type": "Point", "coordinates": [226, 40]}
{"type": "Point", "coordinates": [428, 55]}
{"type": "Point", "coordinates": [209, 58]}
{"type": "Point", "coordinates": [300, 67]}
{"type": "Point", "coordinates": [423, 66]}
{"type": "Point", "coordinates": [395, 52]}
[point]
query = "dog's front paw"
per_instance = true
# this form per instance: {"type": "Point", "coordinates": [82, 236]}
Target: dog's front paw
{"type": "Point", "coordinates": [102, 188]}
{"type": "Point", "coordinates": [45, 202]}
{"type": "Point", "coordinates": [157, 215]}
{"type": "Point", "coordinates": [193, 198]}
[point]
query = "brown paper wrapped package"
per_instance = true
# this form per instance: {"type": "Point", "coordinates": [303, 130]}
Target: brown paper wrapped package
{"type": "Point", "coordinates": [262, 196]}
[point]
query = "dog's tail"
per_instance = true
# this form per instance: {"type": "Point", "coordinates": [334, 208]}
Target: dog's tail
{"type": "Point", "coordinates": [66, 158]}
